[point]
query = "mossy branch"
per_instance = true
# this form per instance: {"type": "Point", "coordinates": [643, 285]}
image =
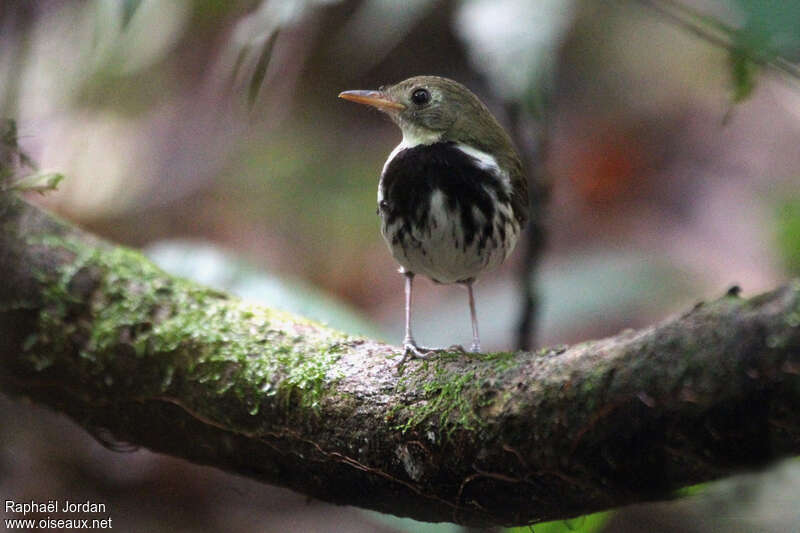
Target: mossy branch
{"type": "Point", "coordinates": [137, 356]}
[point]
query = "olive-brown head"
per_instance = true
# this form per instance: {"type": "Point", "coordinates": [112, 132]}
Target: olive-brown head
{"type": "Point", "coordinates": [430, 109]}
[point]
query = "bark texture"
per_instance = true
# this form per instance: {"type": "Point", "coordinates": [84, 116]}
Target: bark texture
{"type": "Point", "coordinates": [137, 356]}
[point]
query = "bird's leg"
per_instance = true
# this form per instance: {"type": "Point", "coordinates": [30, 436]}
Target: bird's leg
{"type": "Point", "coordinates": [476, 341]}
{"type": "Point", "coordinates": [408, 339]}
{"type": "Point", "coordinates": [410, 348]}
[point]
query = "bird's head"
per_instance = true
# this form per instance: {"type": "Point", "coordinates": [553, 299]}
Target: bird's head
{"type": "Point", "coordinates": [430, 109]}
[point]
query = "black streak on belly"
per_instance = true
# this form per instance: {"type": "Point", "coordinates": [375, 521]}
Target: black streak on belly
{"type": "Point", "coordinates": [415, 173]}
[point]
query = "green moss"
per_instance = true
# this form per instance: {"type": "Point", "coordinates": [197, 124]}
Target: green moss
{"type": "Point", "coordinates": [307, 377]}
{"type": "Point", "coordinates": [503, 361]}
{"type": "Point", "coordinates": [444, 398]}
{"type": "Point", "coordinates": [452, 398]}
{"type": "Point", "coordinates": [192, 334]}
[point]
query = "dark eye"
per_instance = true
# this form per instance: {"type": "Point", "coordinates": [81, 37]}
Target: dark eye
{"type": "Point", "coordinates": [420, 96]}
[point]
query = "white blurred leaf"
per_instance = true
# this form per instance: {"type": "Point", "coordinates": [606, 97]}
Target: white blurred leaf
{"type": "Point", "coordinates": [207, 264]}
{"type": "Point", "coordinates": [147, 32]}
{"type": "Point", "coordinates": [513, 42]}
{"type": "Point", "coordinates": [248, 52]}
{"type": "Point", "coordinates": [376, 27]}
{"type": "Point", "coordinates": [72, 44]}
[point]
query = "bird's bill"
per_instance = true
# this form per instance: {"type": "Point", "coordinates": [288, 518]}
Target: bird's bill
{"type": "Point", "coordinates": [373, 98]}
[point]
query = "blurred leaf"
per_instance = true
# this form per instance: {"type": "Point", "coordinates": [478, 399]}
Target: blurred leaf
{"type": "Point", "coordinates": [788, 235]}
{"type": "Point", "coordinates": [250, 48]}
{"type": "Point", "coordinates": [8, 148]}
{"type": "Point", "coordinates": [743, 72]}
{"type": "Point", "coordinates": [692, 490]}
{"type": "Point", "coordinates": [772, 27]}
{"type": "Point", "coordinates": [764, 501]}
{"type": "Point", "coordinates": [592, 523]}
{"type": "Point", "coordinates": [128, 9]}
{"type": "Point", "coordinates": [514, 42]}
{"type": "Point", "coordinates": [207, 264]}
{"type": "Point", "coordinates": [769, 34]}
{"type": "Point", "coordinates": [8, 132]}
{"type": "Point", "coordinates": [260, 69]}
{"type": "Point", "coordinates": [409, 525]}
{"type": "Point", "coordinates": [10, 154]}
{"type": "Point", "coordinates": [582, 524]}
{"type": "Point", "coordinates": [39, 182]}
{"type": "Point", "coordinates": [375, 28]}
{"type": "Point", "coordinates": [12, 158]}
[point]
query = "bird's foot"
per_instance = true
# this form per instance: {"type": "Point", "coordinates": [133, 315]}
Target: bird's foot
{"type": "Point", "coordinates": [475, 348]}
{"type": "Point", "coordinates": [412, 351]}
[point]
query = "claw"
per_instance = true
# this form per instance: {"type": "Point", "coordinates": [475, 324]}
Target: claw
{"type": "Point", "coordinates": [412, 351]}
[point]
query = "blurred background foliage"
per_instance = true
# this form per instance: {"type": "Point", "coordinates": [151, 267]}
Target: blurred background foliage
{"type": "Point", "coordinates": [208, 133]}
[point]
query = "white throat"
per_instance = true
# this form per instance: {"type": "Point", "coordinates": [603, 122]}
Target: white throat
{"type": "Point", "coordinates": [414, 137]}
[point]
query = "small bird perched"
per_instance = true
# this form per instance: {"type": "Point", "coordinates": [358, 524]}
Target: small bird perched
{"type": "Point", "coordinates": [452, 197]}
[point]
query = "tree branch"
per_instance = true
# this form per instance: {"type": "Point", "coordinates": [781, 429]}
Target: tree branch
{"type": "Point", "coordinates": [135, 355]}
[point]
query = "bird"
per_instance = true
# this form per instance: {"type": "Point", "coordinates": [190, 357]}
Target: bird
{"type": "Point", "coordinates": [452, 196]}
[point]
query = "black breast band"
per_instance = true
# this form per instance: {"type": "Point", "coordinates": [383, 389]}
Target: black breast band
{"type": "Point", "coordinates": [414, 174]}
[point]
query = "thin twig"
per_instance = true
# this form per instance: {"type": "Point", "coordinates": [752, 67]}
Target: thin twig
{"type": "Point", "coordinates": [717, 33]}
{"type": "Point", "coordinates": [533, 153]}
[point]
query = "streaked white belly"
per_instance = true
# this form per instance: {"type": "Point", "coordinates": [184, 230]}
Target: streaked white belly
{"type": "Point", "coordinates": [437, 249]}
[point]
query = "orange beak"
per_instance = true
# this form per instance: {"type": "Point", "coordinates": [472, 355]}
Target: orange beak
{"type": "Point", "coordinates": [373, 98]}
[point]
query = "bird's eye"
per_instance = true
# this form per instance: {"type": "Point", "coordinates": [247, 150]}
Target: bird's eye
{"type": "Point", "coordinates": [420, 96]}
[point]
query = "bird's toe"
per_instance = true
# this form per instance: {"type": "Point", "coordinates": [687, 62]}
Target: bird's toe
{"type": "Point", "coordinates": [412, 351]}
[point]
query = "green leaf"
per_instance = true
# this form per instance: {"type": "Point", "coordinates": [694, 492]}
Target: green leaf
{"type": "Point", "coordinates": [213, 267]}
{"type": "Point", "coordinates": [788, 234]}
{"type": "Point", "coordinates": [129, 8]}
{"type": "Point", "coordinates": [772, 27]}
{"type": "Point", "coordinates": [41, 183]}
{"type": "Point", "coordinates": [592, 523]}
{"type": "Point", "coordinates": [261, 69]}
{"type": "Point", "coordinates": [744, 72]}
